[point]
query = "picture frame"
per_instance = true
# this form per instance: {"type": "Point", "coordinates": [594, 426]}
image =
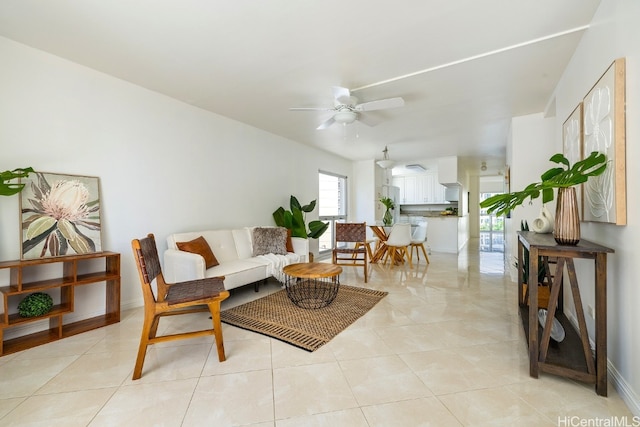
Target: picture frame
{"type": "Point", "coordinates": [604, 131]}
{"type": "Point", "coordinates": [59, 215]}
{"type": "Point", "coordinates": [572, 146]}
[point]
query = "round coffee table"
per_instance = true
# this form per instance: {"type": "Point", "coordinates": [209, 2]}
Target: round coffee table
{"type": "Point", "coordinates": [312, 284]}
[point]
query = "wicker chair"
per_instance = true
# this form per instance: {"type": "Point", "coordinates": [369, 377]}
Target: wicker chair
{"type": "Point", "coordinates": [173, 299]}
{"type": "Point", "coordinates": [350, 245]}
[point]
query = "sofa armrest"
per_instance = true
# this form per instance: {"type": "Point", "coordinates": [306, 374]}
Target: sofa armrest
{"type": "Point", "coordinates": [180, 266]}
{"type": "Point", "coordinates": [301, 247]}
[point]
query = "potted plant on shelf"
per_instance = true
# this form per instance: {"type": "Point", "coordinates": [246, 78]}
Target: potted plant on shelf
{"type": "Point", "coordinates": [567, 221]}
{"type": "Point", "coordinates": [295, 220]}
{"type": "Point", "coordinates": [8, 188]}
{"type": "Point", "coordinates": [388, 203]}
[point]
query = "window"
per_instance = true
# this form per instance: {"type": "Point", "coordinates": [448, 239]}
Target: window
{"type": "Point", "coordinates": [332, 205]}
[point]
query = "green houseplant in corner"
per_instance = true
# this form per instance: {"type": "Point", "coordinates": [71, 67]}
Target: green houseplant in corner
{"type": "Point", "coordinates": [295, 220]}
{"type": "Point", "coordinates": [8, 188]}
{"type": "Point", "coordinates": [564, 178]}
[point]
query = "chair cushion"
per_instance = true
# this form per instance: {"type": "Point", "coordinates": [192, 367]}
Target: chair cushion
{"type": "Point", "coordinates": [194, 290]}
{"type": "Point", "coordinates": [201, 247]}
{"type": "Point", "coordinates": [269, 240]}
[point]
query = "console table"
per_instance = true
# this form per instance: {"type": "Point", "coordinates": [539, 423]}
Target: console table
{"type": "Point", "coordinates": [572, 357]}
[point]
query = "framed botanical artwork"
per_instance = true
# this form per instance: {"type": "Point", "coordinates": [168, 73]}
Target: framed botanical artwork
{"type": "Point", "coordinates": [60, 215]}
{"type": "Point", "coordinates": [605, 198]}
{"type": "Point", "coordinates": [572, 145]}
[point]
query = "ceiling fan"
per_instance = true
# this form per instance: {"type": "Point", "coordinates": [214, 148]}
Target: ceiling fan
{"type": "Point", "coordinates": [346, 109]}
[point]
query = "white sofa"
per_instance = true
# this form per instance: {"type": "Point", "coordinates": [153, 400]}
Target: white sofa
{"type": "Point", "coordinates": [234, 251]}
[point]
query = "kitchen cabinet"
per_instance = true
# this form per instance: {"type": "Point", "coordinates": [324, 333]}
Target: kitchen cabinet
{"type": "Point", "coordinates": [419, 189]}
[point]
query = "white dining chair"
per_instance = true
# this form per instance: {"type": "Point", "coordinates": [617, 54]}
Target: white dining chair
{"type": "Point", "coordinates": [418, 239]}
{"type": "Point", "coordinates": [398, 243]}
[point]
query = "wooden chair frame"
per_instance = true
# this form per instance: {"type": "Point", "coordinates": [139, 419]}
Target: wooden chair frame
{"type": "Point", "coordinates": [173, 299]}
{"type": "Point", "coordinates": [356, 233]}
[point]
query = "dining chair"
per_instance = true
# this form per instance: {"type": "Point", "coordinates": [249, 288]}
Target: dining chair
{"type": "Point", "coordinates": [350, 245]}
{"type": "Point", "coordinates": [173, 299]}
{"type": "Point", "coordinates": [398, 243]}
{"type": "Point", "coordinates": [418, 239]}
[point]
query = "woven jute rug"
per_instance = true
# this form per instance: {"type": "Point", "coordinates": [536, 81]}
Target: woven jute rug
{"type": "Point", "coordinates": [276, 316]}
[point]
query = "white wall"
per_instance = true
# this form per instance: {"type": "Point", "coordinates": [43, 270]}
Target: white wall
{"type": "Point", "coordinates": [614, 33]}
{"type": "Point", "coordinates": [532, 144]}
{"type": "Point", "coordinates": [164, 166]}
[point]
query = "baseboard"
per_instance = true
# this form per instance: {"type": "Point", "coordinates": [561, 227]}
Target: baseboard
{"type": "Point", "coordinates": [619, 383]}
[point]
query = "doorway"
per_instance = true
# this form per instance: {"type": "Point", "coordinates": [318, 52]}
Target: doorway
{"type": "Point", "coordinates": [491, 229]}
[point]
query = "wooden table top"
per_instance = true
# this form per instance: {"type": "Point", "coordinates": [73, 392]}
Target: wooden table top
{"type": "Point", "coordinates": [312, 270]}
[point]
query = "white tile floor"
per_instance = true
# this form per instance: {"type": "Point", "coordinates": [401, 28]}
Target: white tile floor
{"type": "Point", "coordinates": [444, 348]}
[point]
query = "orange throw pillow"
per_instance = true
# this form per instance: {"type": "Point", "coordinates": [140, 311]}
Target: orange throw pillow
{"type": "Point", "coordinates": [201, 247]}
{"type": "Point", "coordinates": [289, 242]}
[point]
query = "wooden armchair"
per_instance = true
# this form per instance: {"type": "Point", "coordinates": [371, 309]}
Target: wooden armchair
{"type": "Point", "coordinates": [350, 245]}
{"type": "Point", "coordinates": [173, 299]}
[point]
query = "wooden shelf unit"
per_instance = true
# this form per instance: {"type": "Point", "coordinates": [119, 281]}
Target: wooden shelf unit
{"type": "Point", "coordinates": [73, 273]}
{"type": "Point", "coordinates": [571, 358]}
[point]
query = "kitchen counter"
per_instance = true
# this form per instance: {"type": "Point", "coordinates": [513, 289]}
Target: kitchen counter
{"type": "Point", "coordinates": [447, 233]}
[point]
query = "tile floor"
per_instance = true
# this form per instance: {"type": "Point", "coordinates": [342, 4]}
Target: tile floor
{"type": "Point", "coordinates": [444, 348]}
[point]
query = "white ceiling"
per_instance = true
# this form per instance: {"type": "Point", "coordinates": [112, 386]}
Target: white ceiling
{"type": "Point", "coordinates": [463, 67]}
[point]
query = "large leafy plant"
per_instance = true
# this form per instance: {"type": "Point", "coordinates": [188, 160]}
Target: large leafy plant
{"type": "Point", "coordinates": [295, 220]}
{"type": "Point", "coordinates": [556, 177]}
{"type": "Point", "coordinates": [8, 188]}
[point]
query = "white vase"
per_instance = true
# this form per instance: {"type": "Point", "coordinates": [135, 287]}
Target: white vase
{"type": "Point", "coordinates": [543, 223]}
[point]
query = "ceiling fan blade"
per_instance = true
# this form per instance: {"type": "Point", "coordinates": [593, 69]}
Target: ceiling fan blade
{"type": "Point", "coordinates": [342, 95]}
{"type": "Point", "coordinates": [311, 109]}
{"type": "Point", "coordinates": [326, 124]}
{"type": "Point", "coordinates": [368, 119]}
{"type": "Point", "coordinates": [380, 104]}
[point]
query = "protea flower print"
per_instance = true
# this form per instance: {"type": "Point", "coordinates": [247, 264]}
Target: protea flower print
{"type": "Point", "coordinates": [59, 212]}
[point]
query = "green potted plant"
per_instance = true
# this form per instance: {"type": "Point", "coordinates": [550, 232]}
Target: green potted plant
{"type": "Point", "coordinates": [388, 203]}
{"type": "Point", "coordinates": [564, 177]}
{"type": "Point", "coordinates": [8, 188]}
{"type": "Point", "coordinates": [295, 220]}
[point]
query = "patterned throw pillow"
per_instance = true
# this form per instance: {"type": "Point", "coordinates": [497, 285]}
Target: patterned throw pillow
{"type": "Point", "coordinates": [269, 240]}
{"type": "Point", "coordinates": [201, 247]}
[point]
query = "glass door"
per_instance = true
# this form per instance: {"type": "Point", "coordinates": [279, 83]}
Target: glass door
{"type": "Point", "coordinates": [332, 206]}
{"type": "Point", "coordinates": [491, 229]}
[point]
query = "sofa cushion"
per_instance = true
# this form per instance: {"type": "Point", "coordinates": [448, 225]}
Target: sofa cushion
{"type": "Point", "coordinates": [269, 240]}
{"type": "Point", "coordinates": [242, 239]}
{"type": "Point", "coordinates": [199, 246]}
{"type": "Point", "coordinates": [239, 272]}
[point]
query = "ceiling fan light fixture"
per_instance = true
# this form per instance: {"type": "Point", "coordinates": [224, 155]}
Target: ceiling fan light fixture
{"type": "Point", "coordinates": [345, 117]}
{"type": "Point", "coordinates": [385, 163]}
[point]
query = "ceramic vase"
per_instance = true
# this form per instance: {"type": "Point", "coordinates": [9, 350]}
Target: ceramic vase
{"type": "Point", "coordinates": [567, 224]}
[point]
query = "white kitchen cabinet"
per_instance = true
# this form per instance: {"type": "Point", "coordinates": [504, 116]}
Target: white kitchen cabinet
{"type": "Point", "coordinates": [419, 189]}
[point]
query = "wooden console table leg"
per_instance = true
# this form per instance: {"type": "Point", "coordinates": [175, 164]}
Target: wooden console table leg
{"type": "Point", "coordinates": [556, 286]}
{"type": "Point", "coordinates": [534, 368]}
{"type": "Point", "coordinates": [582, 324]}
{"type": "Point", "coordinates": [601, 323]}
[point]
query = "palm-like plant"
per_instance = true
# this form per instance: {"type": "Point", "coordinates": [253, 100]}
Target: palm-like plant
{"type": "Point", "coordinates": [8, 188]}
{"type": "Point", "coordinates": [295, 220]}
{"type": "Point", "coordinates": [556, 177]}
